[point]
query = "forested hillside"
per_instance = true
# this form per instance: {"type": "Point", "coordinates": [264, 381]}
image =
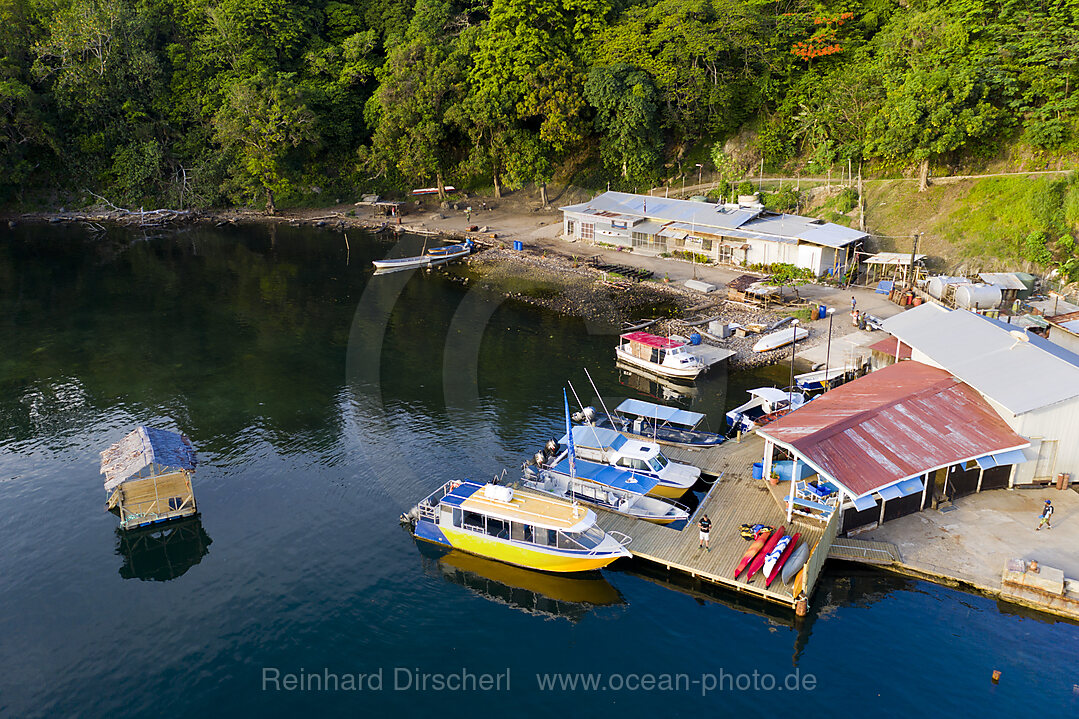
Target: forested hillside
{"type": "Point", "coordinates": [206, 102]}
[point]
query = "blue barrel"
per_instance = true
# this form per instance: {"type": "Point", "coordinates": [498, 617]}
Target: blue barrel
{"type": "Point", "coordinates": [758, 470]}
{"type": "Point", "coordinates": [823, 312]}
{"type": "Point", "coordinates": [695, 339]}
{"type": "Point", "coordinates": [518, 245]}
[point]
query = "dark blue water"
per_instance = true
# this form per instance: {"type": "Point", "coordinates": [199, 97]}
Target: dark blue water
{"type": "Point", "coordinates": [324, 402]}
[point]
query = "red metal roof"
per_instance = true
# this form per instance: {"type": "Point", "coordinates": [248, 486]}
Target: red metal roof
{"type": "Point", "coordinates": [887, 346]}
{"type": "Point", "coordinates": [652, 340]}
{"type": "Point", "coordinates": [898, 422]}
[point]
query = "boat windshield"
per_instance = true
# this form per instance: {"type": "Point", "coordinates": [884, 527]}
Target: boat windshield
{"type": "Point", "coordinates": [658, 462]}
{"type": "Point", "coordinates": [588, 539]}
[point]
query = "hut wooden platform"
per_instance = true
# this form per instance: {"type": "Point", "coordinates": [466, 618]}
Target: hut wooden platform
{"type": "Point", "coordinates": [733, 500]}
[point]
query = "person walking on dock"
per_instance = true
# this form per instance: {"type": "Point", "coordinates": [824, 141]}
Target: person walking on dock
{"type": "Point", "coordinates": [1047, 515]}
{"type": "Point", "coordinates": [705, 526]}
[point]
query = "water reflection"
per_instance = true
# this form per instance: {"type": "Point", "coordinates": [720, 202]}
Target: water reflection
{"type": "Point", "coordinates": [653, 386]}
{"type": "Point", "coordinates": [163, 553]}
{"type": "Point", "coordinates": [540, 593]}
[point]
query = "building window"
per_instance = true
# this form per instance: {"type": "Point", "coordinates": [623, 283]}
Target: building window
{"type": "Point", "coordinates": [588, 231]}
{"type": "Point", "coordinates": [641, 239]}
{"type": "Point", "coordinates": [569, 228]}
{"type": "Point", "coordinates": [726, 254]}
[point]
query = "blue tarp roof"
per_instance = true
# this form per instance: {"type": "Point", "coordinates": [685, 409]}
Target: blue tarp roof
{"type": "Point", "coordinates": [672, 415]}
{"type": "Point", "coordinates": [143, 447]}
{"type": "Point", "coordinates": [598, 437]}
{"type": "Point", "coordinates": [460, 494]}
{"type": "Point", "coordinates": [608, 476]}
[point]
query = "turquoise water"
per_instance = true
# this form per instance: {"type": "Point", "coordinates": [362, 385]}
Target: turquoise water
{"type": "Point", "coordinates": [324, 402]}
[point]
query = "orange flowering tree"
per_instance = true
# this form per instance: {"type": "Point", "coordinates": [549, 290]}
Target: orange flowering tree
{"type": "Point", "coordinates": [825, 40]}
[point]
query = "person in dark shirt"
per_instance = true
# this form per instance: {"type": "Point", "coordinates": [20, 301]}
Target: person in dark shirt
{"type": "Point", "coordinates": [705, 526]}
{"type": "Point", "coordinates": [1047, 515]}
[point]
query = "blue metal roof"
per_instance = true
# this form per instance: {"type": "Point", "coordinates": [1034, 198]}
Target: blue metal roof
{"type": "Point", "coordinates": [661, 412]}
{"type": "Point", "coordinates": [889, 492]}
{"type": "Point", "coordinates": [1012, 456]}
{"type": "Point", "coordinates": [462, 492]}
{"type": "Point", "coordinates": [864, 503]}
{"type": "Point", "coordinates": [913, 485]}
{"type": "Point", "coordinates": [609, 476]}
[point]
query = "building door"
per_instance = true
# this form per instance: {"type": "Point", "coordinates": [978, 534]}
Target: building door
{"type": "Point", "coordinates": [1047, 460]}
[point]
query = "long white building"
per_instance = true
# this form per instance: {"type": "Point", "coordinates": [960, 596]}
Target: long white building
{"type": "Point", "coordinates": [739, 235]}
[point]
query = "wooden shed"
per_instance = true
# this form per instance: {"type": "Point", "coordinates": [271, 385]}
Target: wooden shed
{"type": "Point", "coordinates": [148, 477]}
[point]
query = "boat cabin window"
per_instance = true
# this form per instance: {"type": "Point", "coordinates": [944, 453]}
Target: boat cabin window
{"type": "Point", "coordinates": [498, 528]}
{"type": "Point", "coordinates": [632, 463]}
{"type": "Point", "coordinates": [522, 532]}
{"type": "Point", "coordinates": [474, 521]}
{"type": "Point", "coordinates": [657, 355]}
{"type": "Point", "coordinates": [588, 539]}
{"type": "Point", "coordinates": [447, 516]}
{"type": "Point", "coordinates": [658, 462]}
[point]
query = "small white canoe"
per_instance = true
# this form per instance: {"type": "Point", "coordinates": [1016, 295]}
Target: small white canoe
{"type": "Point", "coordinates": [402, 263]}
{"type": "Point", "coordinates": [780, 338]}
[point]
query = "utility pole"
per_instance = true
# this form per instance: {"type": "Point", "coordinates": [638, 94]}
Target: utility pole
{"type": "Point", "coordinates": [760, 183]}
{"type": "Point", "coordinates": [913, 252]}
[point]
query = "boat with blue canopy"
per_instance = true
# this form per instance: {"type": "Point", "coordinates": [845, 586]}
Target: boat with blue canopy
{"type": "Point", "coordinates": [432, 258]}
{"type": "Point", "coordinates": [655, 422]}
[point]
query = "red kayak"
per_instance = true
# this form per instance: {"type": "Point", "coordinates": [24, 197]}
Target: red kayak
{"type": "Point", "coordinates": [758, 561]}
{"type": "Point", "coordinates": [782, 558]}
{"type": "Point", "coordinates": [758, 543]}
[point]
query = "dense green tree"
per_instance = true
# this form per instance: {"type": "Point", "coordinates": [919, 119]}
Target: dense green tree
{"type": "Point", "coordinates": [627, 116]}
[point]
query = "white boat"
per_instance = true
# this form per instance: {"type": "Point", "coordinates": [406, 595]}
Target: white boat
{"type": "Point", "coordinates": [780, 338]}
{"type": "Point", "coordinates": [432, 258]}
{"type": "Point", "coordinates": [620, 501]}
{"type": "Point", "coordinates": [820, 379]}
{"type": "Point", "coordinates": [765, 405]}
{"type": "Point", "coordinates": [662, 355]}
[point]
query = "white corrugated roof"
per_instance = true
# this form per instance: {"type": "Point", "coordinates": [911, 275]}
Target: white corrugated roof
{"type": "Point", "coordinates": [752, 223]}
{"type": "Point", "coordinates": [1021, 376]}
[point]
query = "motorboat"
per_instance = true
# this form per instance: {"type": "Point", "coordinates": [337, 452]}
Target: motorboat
{"type": "Point", "coordinates": [765, 405]}
{"type": "Point", "coordinates": [431, 258]}
{"type": "Point", "coordinates": [517, 526]}
{"type": "Point", "coordinates": [664, 356]}
{"type": "Point", "coordinates": [821, 379]}
{"type": "Point", "coordinates": [780, 338]}
{"type": "Point", "coordinates": [643, 460]}
{"type": "Point", "coordinates": [627, 502]}
{"type": "Point", "coordinates": [655, 422]}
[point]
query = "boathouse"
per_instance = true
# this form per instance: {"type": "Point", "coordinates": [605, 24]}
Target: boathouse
{"type": "Point", "coordinates": [893, 442]}
{"type": "Point", "coordinates": [1032, 383]}
{"type": "Point", "coordinates": [732, 234]}
{"type": "Point", "coordinates": [148, 477]}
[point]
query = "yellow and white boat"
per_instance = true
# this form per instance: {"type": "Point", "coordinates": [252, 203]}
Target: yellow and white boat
{"type": "Point", "coordinates": [515, 526]}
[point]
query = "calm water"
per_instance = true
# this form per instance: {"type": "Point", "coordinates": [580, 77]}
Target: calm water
{"type": "Point", "coordinates": [324, 402]}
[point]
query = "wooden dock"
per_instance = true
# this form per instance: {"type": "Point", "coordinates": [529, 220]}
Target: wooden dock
{"type": "Point", "coordinates": [731, 457]}
{"type": "Point", "coordinates": [734, 499]}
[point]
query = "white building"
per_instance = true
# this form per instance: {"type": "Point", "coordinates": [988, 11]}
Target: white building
{"type": "Point", "coordinates": [1032, 383]}
{"type": "Point", "coordinates": [740, 235]}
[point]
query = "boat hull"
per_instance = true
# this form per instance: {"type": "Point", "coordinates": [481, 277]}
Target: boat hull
{"type": "Point", "coordinates": [782, 338]}
{"type": "Point", "coordinates": [662, 370]}
{"type": "Point", "coordinates": [513, 553]}
{"type": "Point", "coordinates": [406, 263]}
{"type": "Point", "coordinates": [669, 491]}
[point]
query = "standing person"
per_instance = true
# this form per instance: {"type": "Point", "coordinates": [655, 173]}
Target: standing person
{"type": "Point", "coordinates": [853, 304]}
{"type": "Point", "coordinates": [705, 526]}
{"type": "Point", "coordinates": [1047, 515]}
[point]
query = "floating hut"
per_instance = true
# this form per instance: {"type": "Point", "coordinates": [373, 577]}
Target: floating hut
{"type": "Point", "coordinates": [148, 477]}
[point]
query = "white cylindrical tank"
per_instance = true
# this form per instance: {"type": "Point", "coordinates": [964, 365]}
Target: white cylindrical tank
{"type": "Point", "coordinates": [935, 286]}
{"type": "Point", "coordinates": [977, 297]}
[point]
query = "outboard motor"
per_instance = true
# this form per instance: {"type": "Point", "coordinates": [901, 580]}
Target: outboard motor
{"type": "Point", "coordinates": [540, 459]}
{"type": "Point", "coordinates": [578, 417]}
{"type": "Point", "coordinates": [589, 414]}
{"type": "Point", "coordinates": [551, 447]}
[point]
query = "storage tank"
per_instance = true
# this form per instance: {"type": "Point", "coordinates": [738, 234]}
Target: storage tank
{"type": "Point", "coordinates": [935, 286]}
{"type": "Point", "coordinates": [1030, 282]}
{"type": "Point", "coordinates": [977, 297]}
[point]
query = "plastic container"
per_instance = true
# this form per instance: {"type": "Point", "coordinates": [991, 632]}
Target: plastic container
{"type": "Point", "coordinates": [822, 313]}
{"type": "Point", "coordinates": [518, 245]}
{"type": "Point", "coordinates": [695, 339]}
{"type": "Point", "coordinates": [758, 470]}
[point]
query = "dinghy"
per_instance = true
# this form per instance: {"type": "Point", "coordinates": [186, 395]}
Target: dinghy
{"type": "Point", "coordinates": [780, 338]}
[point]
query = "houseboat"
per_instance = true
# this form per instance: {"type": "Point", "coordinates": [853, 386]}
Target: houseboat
{"type": "Point", "coordinates": [662, 355]}
{"type": "Point", "coordinates": [515, 526]}
{"type": "Point", "coordinates": [766, 404]}
{"type": "Point", "coordinates": [655, 422]}
{"type": "Point", "coordinates": [629, 502]}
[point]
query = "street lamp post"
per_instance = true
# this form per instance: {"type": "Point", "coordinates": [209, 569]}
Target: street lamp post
{"type": "Point", "coordinates": [794, 345]}
{"type": "Point", "coordinates": [700, 173]}
{"type": "Point", "coordinates": [828, 351]}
